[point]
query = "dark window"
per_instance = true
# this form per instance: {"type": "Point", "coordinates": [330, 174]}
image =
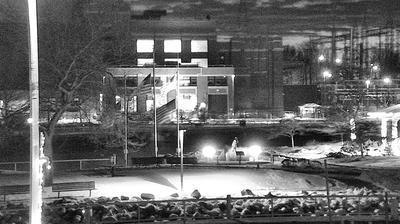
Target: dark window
{"type": "Point", "coordinates": [130, 82]}
{"type": "Point", "coordinates": [188, 81]}
{"type": "Point", "coordinates": [217, 81]}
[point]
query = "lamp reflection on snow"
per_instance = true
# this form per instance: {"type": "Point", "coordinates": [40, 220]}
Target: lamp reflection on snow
{"type": "Point", "coordinates": [208, 151]}
{"type": "Point", "coordinates": [254, 151]}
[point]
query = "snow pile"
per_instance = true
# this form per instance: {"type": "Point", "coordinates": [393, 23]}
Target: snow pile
{"type": "Point", "coordinates": [311, 151]}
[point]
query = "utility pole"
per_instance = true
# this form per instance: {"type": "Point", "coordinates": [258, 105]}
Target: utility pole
{"type": "Point", "coordinates": [35, 214]}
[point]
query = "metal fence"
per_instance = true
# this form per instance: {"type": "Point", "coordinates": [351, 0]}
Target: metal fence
{"type": "Point", "coordinates": [71, 164]}
{"type": "Point", "coordinates": [269, 209]}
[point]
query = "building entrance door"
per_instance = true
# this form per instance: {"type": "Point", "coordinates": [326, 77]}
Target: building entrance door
{"type": "Point", "coordinates": [217, 105]}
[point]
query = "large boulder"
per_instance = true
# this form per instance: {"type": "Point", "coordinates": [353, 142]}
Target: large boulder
{"type": "Point", "coordinates": [124, 198]}
{"type": "Point", "coordinates": [247, 192]}
{"type": "Point", "coordinates": [149, 210]}
{"type": "Point", "coordinates": [147, 196]}
{"type": "Point", "coordinates": [174, 195]}
{"type": "Point", "coordinates": [196, 194]}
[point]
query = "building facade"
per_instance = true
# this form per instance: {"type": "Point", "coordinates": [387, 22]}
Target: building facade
{"type": "Point", "coordinates": [227, 73]}
{"type": "Point", "coordinates": [184, 50]}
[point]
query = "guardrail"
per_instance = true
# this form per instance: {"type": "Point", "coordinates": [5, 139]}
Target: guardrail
{"type": "Point", "coordinates": [79, 164]}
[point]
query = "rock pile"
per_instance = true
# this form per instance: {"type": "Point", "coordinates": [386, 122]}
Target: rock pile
{"type": "Point", "coordinates": [70, 210]}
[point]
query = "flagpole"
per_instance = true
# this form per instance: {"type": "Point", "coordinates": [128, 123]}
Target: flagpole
{"type": "Point", "coordinates": [35, 213]}
{"type": "Point", "coordinates": [154, 104]}
{"type": "Point", "coordinates": [180, 148]}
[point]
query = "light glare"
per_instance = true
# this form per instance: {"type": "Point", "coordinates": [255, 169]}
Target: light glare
{"type": "Point", "coordinates": [208, 151]}
{"type": "Point", "coordinates": [368, 82]}
{"type": "Point", "coordinates": [254, 151]}
{"type": "Point", "coordinates": [327, 74]}
{"type": "Point", "coordinates": [386, 80]}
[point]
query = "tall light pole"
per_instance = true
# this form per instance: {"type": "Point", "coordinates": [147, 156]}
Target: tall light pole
{"type": "Point", "coordinates": [35, 213]}
{"type": "Point", "coordinates": [125, 124]}
{"type": "Point", "coordinates": [387, 82]}
{"type": "Point", "coordinates": [326, 75]}
{"type": "Point", "coordinates": [154, 105]}
{"type": "Point", "coordinates": [368, 83]}
{"type": "Point", "coordinates": [180, 148]}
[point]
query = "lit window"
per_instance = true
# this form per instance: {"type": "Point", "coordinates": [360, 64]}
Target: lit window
{"type": "Point", "coordinates": [132, 104]}
{"type": "Point", "coordinates": [149, 102]}
{"type": "Point", "coordinates": [145, 46]}
{"type": "Point", "coordinates": [144, 61]}
{"type": "Point", "coordinates": [201, 62]}
{"type": "Point", "coordinates": [199, 45]}
{"type": "Point", "coordinates": [173, 60]}
{"type": "Point", "coordinates": [172, 46]}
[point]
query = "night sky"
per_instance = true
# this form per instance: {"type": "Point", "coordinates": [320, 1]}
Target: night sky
{"type": "Point", "coordinates": [294, 19]}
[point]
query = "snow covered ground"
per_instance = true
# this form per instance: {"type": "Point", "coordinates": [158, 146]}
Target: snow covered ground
{"type": "Point", "coordinates": [320, 150]}
{"type": "Point", "coordinates": [211, 182]}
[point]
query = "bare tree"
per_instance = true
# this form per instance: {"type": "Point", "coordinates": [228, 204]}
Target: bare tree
{"type": "Point", "coordinates": [290, 128]}
{"type": "Point", "coordinates": [71, 49]}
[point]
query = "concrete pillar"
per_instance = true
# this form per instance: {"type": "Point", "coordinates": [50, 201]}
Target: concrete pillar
{"type": "Point", "coordinates": [202, 90]}
{"type": "Point", "coordinates": [231, 93]}
{"type": "Point", "coordinates": [384, 127]}
{"type": "Point", "coordinates": [394, 128]}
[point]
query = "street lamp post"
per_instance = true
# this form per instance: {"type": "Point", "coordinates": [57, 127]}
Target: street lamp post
{"type": "Point", "coordinates": [326, 75]}
{"type": "Point", "coordinates": [35, 208]}
{"type": "Point", "coordinates": [155, 106]}
{"type": "Point", "coordinates": [368, 83]}
{"type": "Point", "coordinates": [125, 124]}
{"type": "Point", "coordinates": [180, 147]}
{"type": "Point", "coordinates": [387, 82]}
{"type": "Point", "coordinates": [373, 70]}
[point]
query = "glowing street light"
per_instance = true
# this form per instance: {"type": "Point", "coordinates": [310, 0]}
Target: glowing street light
{"type": "Point", "coordinates": [386, 80]}
{"type": "Point", "coordinates": [321, 58]}
{"type": "Point", "coordinates": [326, 74]}
{"type": "Point", "coordinates": [368, 82]}
{"type": "Point", "coordinates": [375, 68]}
{"type": "Point", "coordinates": [209, 151]}
{"type": "Point", "coordinates": [254, 151]}
{"type": "Point", "coordinates": [338, 61]}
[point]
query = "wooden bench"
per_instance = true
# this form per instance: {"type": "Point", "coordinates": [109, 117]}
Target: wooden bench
{"type": "Point", "coordinates": [14, 189]}
{"type": "Point", "coordinates": [74, 186]}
